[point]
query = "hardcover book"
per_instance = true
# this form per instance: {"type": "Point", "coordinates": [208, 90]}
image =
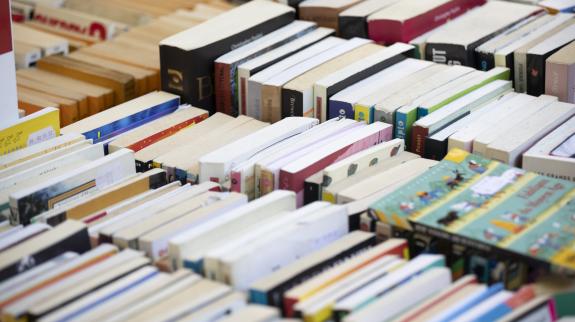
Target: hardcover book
{"type": "Point", "coordinates": [207, 41]}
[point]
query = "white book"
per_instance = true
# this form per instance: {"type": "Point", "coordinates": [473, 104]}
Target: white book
{"type": "Point", "coordinates": [473, 118]}
{"type": "Point", "coordinates": [352, 94]}
{"type": "Point", "coordinates": [84, 154]}
{"type": "Point", "coordinates": [464, 136]}
{"type": "Point", "coordinates": [220, 308]}
{"type": "Point", "coordinates": [503, 126]}
{"type": "Point", "coordinates": [23, 234]}
{"type": "Point", "coordinates": [149, 210]}
{"type": "Point", "coordinates": [44, 149]}
{"type": "Point", "coordinates": [508, 149]}
{"type": "Point", "coordinates": [256, 81]}
{"type": "Point", "coordinates": [109, 292]}
{"type": "Point", "coordinates": [193, 244]}
{"type": "Point", "coordinates": [484, 307]}
{"type": "Point", "coordinates": [293, 72]}
{"type": "Point", "coordinates": [312, 139]}
{"type": "Point", "coordinates": [377, 61]}
{"type": "Point", "coordinates": [83, 181]}
{"type": "Point", "coordinates": [415, 266]}
{"type": "Point", "coordinates": [323, 300]}
{"type": "Point", "coordinates": [361, 161]}
{"type": "Point", "coordinates": [176, 286]}
{"type": "Point", "coordinates": [418, 87]}
{"type": "Point", "coordinates": [156, 242]}
{"type": "Point", "coordinates": [539, 159]}
{"type": "Point", "coordinates": [254, 313]}
{"type": "Point", "coordinates": [404, 296]}
{"type": "Point", "coordinates": [284, 246]}
{"type": "Point", "coordinates": [216, 166]}
{"type": "Point", "coordinates": [253, 66]}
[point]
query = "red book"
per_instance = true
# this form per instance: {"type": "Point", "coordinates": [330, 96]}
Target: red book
{"type": "Point", "coordinates": [223, 90]}
{"type": "Point", "coordinates": [408, 19]}
{"type": "Point", "coordinates": [418, 135]}
{"type": "Point", "coordinates": [293, 176]}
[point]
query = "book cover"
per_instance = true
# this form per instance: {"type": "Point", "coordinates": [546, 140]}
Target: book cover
{"type": "Point", "coordinates": [194, 82]}
{"type": "Point", "coordinates": [34, 128]}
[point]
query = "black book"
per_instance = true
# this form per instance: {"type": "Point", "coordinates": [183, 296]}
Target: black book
{"type": "Point", "coordinates": [187, 58]}
{"type": "Point", "coordinates": [312, 188]}
{"type": "Point", "coordinates": [455, 44]}
{"type": "Point", "coordinates": [70, 236]}
{"type": "Point", "coordinates": [536, 57]}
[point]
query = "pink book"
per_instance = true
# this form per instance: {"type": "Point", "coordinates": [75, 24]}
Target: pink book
{"type": "Point", "coordinates": [293, 175]}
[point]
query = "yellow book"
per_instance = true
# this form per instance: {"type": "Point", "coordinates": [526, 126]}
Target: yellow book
{"type": "Point", "coordinates": [363, 113]}
{"type": "Point", "coordinates": [29, 130]}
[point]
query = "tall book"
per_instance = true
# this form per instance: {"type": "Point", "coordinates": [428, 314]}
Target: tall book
{"type": "Point", "coordinates": [537, 56]}
{"type": "Point", "coordinates": [8, 79]}
{"type": "Point", "coordinates": [203, 43]}
{"type": "Point", "coordinates": [560, 74]}
{"type": "Point", "coordinates": [405, 20]}
{"type": "Point", "coordinates": [455, 44]}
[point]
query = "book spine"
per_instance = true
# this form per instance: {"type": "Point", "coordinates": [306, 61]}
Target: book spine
{"type": "Point", "coordinates": [320, 103]}
{"type": "Point", "coordinates": [485, 60]}
{"type": "Point", "coordinates": [243, 92]}
{"type": "Point", "coordinates": [520, 70]}
{"type": "Point", "coordinates": [350, 27]}
{"type": "Point", "coordinates": [403, 125]}
{"type": "Point", "coordinates": [435, 149]}
{"type": "Point", "coordinates": [418, 135]}
{"type": "Point", "coordinates": [340, 109]}
{"type": "Point", "coordinates": [223, 91]}
{"type": "Point", "coordinates": [291, 103]}
{"type": "Point", "coordinates": [156, 137]}
{"type": "Point", "coordinates": [557, 80]}
{"type": "Point", "coordinates": [535, 74]}
{"type": "Point", "coordinates": [448, 54]}
{"type": "Point", "coordinates": [236, 181]}
{"type": "Point", "coordinates": [312, 192]}
{"type": "Point", "coordinates": [253, 96]}
{"type": "Point", "coordinates": [266, 182]}
{"type": "Point", "coordinates": [363, 113]}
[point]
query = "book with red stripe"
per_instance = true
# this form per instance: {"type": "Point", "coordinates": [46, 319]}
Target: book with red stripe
{"type": "Point", "coordinates": [407, 19]}
{"type": "Point", "coordinates": [293, 175]}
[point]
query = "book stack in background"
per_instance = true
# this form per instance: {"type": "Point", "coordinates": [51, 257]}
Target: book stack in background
{"type": "Point", "coordinates": [314, 168]}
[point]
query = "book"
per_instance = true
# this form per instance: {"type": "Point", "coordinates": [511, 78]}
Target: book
{"type": "Point", "coordinates": [226, 32]}
{"type": "Point", "coordinates": [559, 74]}
{"type": "Point", "coordinates": [49, 44]}
{"type": "Point", "coordinates": [453, 47]}
{"type": "Point", "coordinates": [297, 97]}
{"type": "Point", "coordinates": [124, 117]}
{"type": "Point", "coordinates": [85, 180]}
{"type": "Point", "coordinates": [253, 312]}
{"type": "Point", "coordinates": [270, 289]}
{"type": "Point", "coordinates": [352, 22]}
{"type": "Point", "coordinates": [405, 20]}
{"type": "Point", "coordinates": [401, 299]}
{"type": "Point", "coordinates": [256, 81]}
{"type": "Point", "coordinates": [293, 175]}
{"type": "Point", "coordinates": [216, 165]}
{"type": "Point", "coordinates": [451, 112]}
{"type": "Point", "coordinates": [26, 55]}
{"type": "Point", "coordinates": [537, 55]}
{"type": "Point", "coordinates": [30, 130]}
{"type": "Point", "coordinates": [492, 132]}
{"type": "Point", "coordinates": [541, 306]}
{"type": "Point", "coordinates": [146, 156]}
{"type": "Point", "coordinates": [22, 235]}
{"type": "Point", "coordinates": [225, 67]}
{"type": "Point", "coordinates": [520, 54]}
{"type": "Point", "coordinates": [272, 92]}
{"type": "Point", "coordinates": [437, 144]}
{"type": "Point", "coordinates": [327, 86]}
{"type": "Point", "coordinates": [230, 303]}
{"type": "Point", "coordinates": [158, 129]}
{"type": "Point", "coordinates": [539, 158]}
{"type": "Point", "coordinates": [510, 148]}
{"type": "Point", "coordinates": [260, 63]}
{"type": "Point", "coordinates": [324, 13]}
{"type": "Point", "coordinates": [70, 236]}
{"type": "Point", "coordinates": [121, 83]}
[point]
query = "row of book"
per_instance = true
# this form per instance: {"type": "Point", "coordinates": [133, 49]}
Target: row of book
{"type": "Point", "coordinates": [273, 67]}
{"type": "Point", "coordinates": [52, 274]}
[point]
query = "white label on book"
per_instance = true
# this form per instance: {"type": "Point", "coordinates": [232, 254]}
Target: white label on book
{"type": "Point", "coordinates": [41, 135]}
